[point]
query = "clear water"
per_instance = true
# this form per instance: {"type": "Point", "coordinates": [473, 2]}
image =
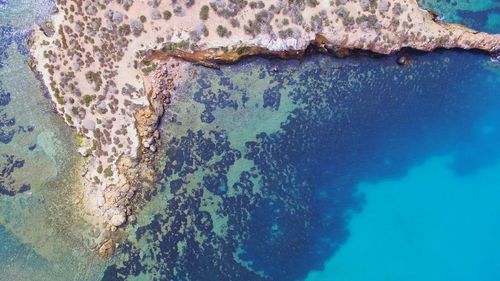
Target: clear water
{"type": "Point", "coordinates": [41, 237]}
{"type": "Point", "coordinates": [330, 169]}
{"type": "Point", "coordinates": [431, 224]}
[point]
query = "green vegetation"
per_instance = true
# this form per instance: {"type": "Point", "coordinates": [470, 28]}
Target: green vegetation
{"type": "Point", "coordinates": [234, 22]}
{"type": "Point", "coordinates": [184, 44]}
{"type": "Point", "coordinates": [94, 78]}
{"type": "Point", "coordinates": [87, 99]}
{"type": "Point", "coordinates": [148, 67]}
{"type": "Point", "coordinates": [169, 47]}
{"type": "Point", "coordinates": [371, 20]}
{"type": "Point", "coordinates": [256, 5]}
{"type": "Point", "coordinates": [79, 139]}
{"type": "Point", "coordinates": [60, 99]}
{"type": "Point", "coordinates": [227, 13]}
{"type": "Point", "coordinates": [222, 31]}
{"type": "Point", "coordinates": [108, 172]}
{"type": "Point", "coordinates": [205, 31]}
{"type": "Point", "coordinates": [124, 30]}
{"type": "Point", "coordinates": [283, 34]}
{"type": "Point", "coordinates": [167, 15]}
{"type": "Point", "coordinates": [68, 118]}
{"type": "Point", "coordinates": [204, 12]}
{"type": "Point", "coordinates": [242, 50]}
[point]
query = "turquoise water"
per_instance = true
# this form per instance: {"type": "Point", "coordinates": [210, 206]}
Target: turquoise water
{"type": "Point", "coordinates": [429, 225]}
{"type": "Point", "coordinates": [330, 169]}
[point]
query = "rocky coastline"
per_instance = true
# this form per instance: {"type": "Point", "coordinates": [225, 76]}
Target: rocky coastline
{"type": "Point", "coordinates": [111, 68]}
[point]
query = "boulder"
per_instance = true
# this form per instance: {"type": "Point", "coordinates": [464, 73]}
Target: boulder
{"type": "Point", "coordinates": [118, 219]}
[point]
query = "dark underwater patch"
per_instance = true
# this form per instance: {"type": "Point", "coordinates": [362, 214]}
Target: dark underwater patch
{"type": "Point", "coordinates": [478, 20]}
{"type": "Point", "coordinates": [8, 126]}
{"type": "Point", "coordinates": [7, 129]}
{"type": "Point", "coordinates": [4, 98]}
{"type": "Point", "coordinates": [213, 99]}
{"type": "Point", "coordinates": [9, 36]}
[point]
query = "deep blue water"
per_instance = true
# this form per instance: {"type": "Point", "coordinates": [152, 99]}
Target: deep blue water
{"type": "Point", "coordinates": [482, 20]}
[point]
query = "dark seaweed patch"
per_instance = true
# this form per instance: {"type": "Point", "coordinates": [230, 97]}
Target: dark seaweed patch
{"type": "Point", "coordinates": [478, 20]}
{"type": "Point", "coordinates": [8, 186]}
{"type": "Point", "coordinates": [272, 98]}
{"type": "Point", "coordinates": [7, 130]}
{"type": "Point", "coordinates": [4, 98]}
{"type": "Point", "coordinates": [215, 99]}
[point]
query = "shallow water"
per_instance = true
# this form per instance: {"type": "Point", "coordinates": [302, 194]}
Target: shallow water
{"type": "Point", "coordinates": [483, 15]}
{"type": "Point", "coordinates": [330, 169]}
{"type": "Point", "coordinates": [41, 237]}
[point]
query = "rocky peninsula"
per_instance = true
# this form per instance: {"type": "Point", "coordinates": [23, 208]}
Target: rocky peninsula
{"type": "Point", "coordinates": [111, 66]}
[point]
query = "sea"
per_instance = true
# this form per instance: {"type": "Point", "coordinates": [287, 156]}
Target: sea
{"type": "Point", "coordinates": [311, 169]}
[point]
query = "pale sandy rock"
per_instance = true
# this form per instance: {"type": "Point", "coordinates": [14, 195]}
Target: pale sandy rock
{"type": "Point", "coordinates": [88, 124]}
{"type": "Point", "coordinates": [118, 219]}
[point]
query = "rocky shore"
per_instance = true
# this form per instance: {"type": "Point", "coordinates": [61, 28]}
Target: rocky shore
{"type": "Point", "coordinates": [111, 66]}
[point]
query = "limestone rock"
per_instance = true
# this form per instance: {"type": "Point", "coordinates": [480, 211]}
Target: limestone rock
{"type": "Point", "coordinates": [118, 219]}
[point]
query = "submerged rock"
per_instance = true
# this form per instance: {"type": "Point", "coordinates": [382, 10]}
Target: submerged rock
{"type": "Point", "coordinates": [118, 219]}
{"type": "Point", "coordinates": [107, 249]}
{"type": "Point", "coordinates": [403, 60]}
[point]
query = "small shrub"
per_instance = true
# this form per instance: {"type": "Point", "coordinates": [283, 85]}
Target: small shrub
{"type": "Point", "coordinates": [222, 31]}
{"type": "Point", "coordinates": [204, 12]}
{"type": "Point", "coordinates": [312, 3]}
{"type": "Point", "coordinates": [124, 30]}
{"type": "Point", "coordinates": [205, 31]}
{"type": "Point", "coordinates": [108, 172]}
{"type": "Point", "coordinates": [167, 15]}
{"type": "Point", "coordinates": [234, 22]}
{"type": "Point", "coordinates": [87, 99]}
